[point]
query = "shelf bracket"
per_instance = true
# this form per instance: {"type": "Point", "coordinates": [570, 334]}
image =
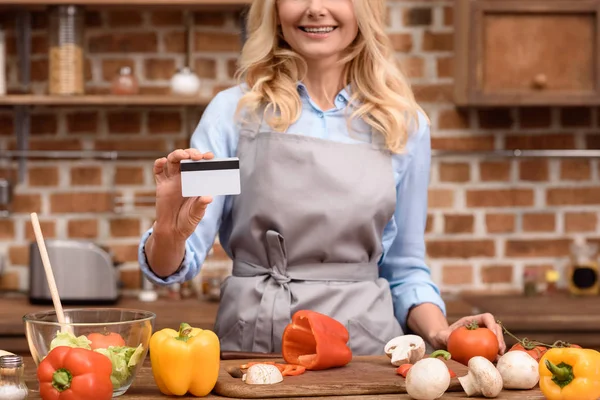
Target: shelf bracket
{"type": "Point", "coordinates": [22, 113]}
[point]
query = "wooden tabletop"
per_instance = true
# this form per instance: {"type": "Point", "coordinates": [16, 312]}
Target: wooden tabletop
{"type": "Point", "coordinates": [544, 318]}
{"type": "Point", "coordinates": [144, 388]}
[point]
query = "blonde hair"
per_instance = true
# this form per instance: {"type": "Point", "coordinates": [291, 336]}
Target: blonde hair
{"type": "Point", "coordinates": [271, 70]}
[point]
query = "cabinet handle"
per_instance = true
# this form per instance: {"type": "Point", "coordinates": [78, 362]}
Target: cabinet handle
{"type": "Point", "coordinates": [540, 81]}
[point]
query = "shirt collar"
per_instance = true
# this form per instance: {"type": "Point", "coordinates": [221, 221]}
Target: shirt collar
{"type": "Point", "coordinates": [345, 92]}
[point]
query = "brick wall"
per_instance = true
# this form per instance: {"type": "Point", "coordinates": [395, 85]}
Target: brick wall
{"type": "Point", "coordinates": [489, 219]}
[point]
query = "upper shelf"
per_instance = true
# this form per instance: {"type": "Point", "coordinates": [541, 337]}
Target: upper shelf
{"type": "Point", "coordinates": [102, 100]}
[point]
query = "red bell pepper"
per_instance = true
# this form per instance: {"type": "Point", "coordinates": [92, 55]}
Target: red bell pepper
{"type": "Point", "coordinates": [75, 374]}
{"type": "Point", "coordinates": [315, 341]}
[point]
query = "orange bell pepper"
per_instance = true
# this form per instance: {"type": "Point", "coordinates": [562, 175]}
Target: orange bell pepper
{"type": "Point", "coordinates": [315, 341]}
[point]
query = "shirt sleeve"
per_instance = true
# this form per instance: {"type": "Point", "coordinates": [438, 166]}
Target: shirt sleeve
{"type": "Point", "coordinates": [404, 264]}
{"type": "Point", "coordinates": [208, 136]}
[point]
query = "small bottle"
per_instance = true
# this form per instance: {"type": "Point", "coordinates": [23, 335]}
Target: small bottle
{"type": "Point", "coordinates": [125, 83]}
{"type": "Point", "coordinates": [12, 384]}
{"type": "Point", "coordinates": [530, 283]}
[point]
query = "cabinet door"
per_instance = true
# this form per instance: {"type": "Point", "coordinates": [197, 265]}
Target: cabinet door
{"type": "Point", "coordinates": [542, 52]}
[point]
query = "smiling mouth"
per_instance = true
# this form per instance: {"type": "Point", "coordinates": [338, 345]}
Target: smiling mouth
{"type": "Point", "coordinates": [321, 30]}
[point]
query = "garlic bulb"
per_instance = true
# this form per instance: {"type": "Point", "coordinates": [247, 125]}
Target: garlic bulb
{"type": "Point", "coordinates": [262, 374]}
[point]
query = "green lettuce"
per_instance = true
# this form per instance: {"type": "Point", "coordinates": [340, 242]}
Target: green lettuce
{"type": "Point", "coordinates": [70, 340]}
{"type": "Point", "coordinates": [123, 359]}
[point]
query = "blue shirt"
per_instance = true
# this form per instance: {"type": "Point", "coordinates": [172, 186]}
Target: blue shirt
{"type": "Point", "coordinates": [403, 260]}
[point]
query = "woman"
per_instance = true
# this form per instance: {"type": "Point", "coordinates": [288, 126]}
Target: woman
{"type": "Point", "coordinates": [334, 161]}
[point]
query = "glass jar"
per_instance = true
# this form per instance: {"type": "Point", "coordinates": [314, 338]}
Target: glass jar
{"type": "Point", "coordinates": [12, 383]}
{"type": "Point", "coordinates": [125, 83]}
{"type": "Point", "coordinates": [66, 58]}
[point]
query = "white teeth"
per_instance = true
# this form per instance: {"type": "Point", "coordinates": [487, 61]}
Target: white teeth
{"type": "Point", "coordinates": [319, 30]}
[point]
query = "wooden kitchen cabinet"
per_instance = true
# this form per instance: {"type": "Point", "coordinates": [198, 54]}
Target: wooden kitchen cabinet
{"type": "Point", "coordinates": [527, 52]}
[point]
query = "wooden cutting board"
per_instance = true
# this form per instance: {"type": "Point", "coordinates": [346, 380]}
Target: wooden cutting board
{"type": "Point", "coordinates": [364, 375]}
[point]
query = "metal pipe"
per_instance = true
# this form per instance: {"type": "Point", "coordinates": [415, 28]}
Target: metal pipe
{"type": "Point", "coordinates": [118, 155]}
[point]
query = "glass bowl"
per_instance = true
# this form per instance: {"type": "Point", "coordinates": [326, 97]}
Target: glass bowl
{"type": "Point", "coordinates": [123, 335]}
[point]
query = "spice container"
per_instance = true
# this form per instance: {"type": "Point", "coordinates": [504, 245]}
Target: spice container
{"type": "Point", "coordinates": [530, 283]}
{"type": "Point", "coordinates": [125, 83]}
{"type": "Point", "coordinates": [12, 383]}
{"type": "Point", "coordinates": [66, 58]}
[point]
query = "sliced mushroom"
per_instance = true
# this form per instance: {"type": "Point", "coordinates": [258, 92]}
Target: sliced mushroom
{"type": "Point", "coordinates": [407, 349]}
{"type": "Point", "coordinates": [482, 379]}
{"type": "Point", "coordinates": [262, 374]}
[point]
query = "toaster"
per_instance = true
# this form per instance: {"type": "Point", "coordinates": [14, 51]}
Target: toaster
{"type": "Point", "coordinates": [84, 273]}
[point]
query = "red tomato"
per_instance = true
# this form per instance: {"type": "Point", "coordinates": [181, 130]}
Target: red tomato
{"type": "Point", "coordinates": [470, 341]}
{"type": "Point", "coordinates": [104, 340]}
{"type": "Point", "coordinates": [537, 352]}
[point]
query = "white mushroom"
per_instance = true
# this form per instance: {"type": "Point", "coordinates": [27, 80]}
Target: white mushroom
{"type": "Point", "coordinates": [482, 379]}
{"type": "Point", "coordinates": [518, 370]}
{"type": "Point", "coordinates": [428, 379]}
{"type": "Point", "coordinates": [262, 374]}
{"type": "Point", "coordinates": [407, 349]}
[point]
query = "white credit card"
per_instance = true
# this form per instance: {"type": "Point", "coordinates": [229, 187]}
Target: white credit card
{"type": "Point", "coordinates": [219, 176]}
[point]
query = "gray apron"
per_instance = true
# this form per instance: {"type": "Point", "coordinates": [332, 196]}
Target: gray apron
{"type": "Point", "coordinates": [307, 231]}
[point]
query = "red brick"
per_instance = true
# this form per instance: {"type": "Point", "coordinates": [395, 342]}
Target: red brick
{"type": "Point", "coordinates": [141, 199]}
{"type": "Point", "coordinates": [43, 176]}
{"type": "Point", "coordinates": [123, 253]}
{"type": "Point", "coordinates": [592, 141]}
{"type": "Point", "coordinates": [500, 223]}
{"type": "Point", "coordinates": [39, 70]}
{"type": "Point", "coordinates": [434, 93]}
{"type": "Point", "coordinates": [27, 203]}
{"type": "Point", "coordinates": [413, 67]}
{"type": "Point", "coordinates": [576, 117]}
{"type": "Point", "coordinates": [453, 119]}
{"type": "Point", "coordinates": [7, 127]}
{"type": "Point", "coordinates": [124, 18]}
{"type": "Point", "coordinates": [167, 18]}
{"type": "Point", "coordinates": [467, 143]}
{"type": "Point", "coordinates": [460, 248]}
{"type": "Point", "coordinates": [50, 144]}
{"type": "Point", "coordinates": [402, 42]}
{"type": "Point", "coordinates": [7, 229]}
{"type": "Point", "coordinates": [497, 274]}
{"type": "Point", "coordinates": [121, 42]}
{"type": "Point", "coordinates": [539, 222]}
{"type": "Point", "coordinates": [440, 198]}
{"type": "Point", "coordinates": [430, 223]}
{"type": "Point", "coordinates": [580, 222]}
{"type": "Point", "coordinates": [43, 124]}
{"type": "Point", "coordinates": [492, 118]}
{"type": "Point", "coordinates": [74, 202]}
{"type": "Point", "coordinates": [454, 172]}
{"type": "Point", "coordinates": [417, 16]}
{"type": "Point", "coordinates": [556, 141]}
{"type": "Point", "coordinates": [213, 41]}
{"type": "Point", "coordinates": [537, 247]}
{"type": "Point", "coordinates": [82, 228]}
{"type": "Point", "coordinates": [124, 122]}
{"type": "Point", "coordinates": [457, 274]}
{"type": "Point", "coordinates": [159, 69]}
{"type": "Point", "coordinates": [448, 16]}
{"type": "Point", "coordinates": [48, 230]}
{"type": "Point", "coordinates": [445, 67]}
{"type": "Point", "coordinates": [232, 66]}
{"type": "Point", "coordinates": [10, 281]}
{"type": "Point", "coordinates": [575, 170]}
{"type": "Point", "coordinates": [125, 227]}
{"type": "Point", "coordinates": [129, 175]}
{"type": "Point", "coordinates": [438, 41]}
{"type": "Point", "coordinates": [533, 170]}
{"type": "Point", "coordinates": [164, 122]}
{"type": "Point", "coordinates": [207, 18]}
{"type": "Point", "coordinates": [494, 171]}
{"type": "Point", "coordinates": [82, 122]}
{"type": "Point", "coordinates": [18, 255]}
{"type": "Point", "coordinates": [573, 196]}
{"type": "Point", "coordinates": [500, 198]}
{"type": "Point", "coordinates": [535, 117]}
{"type": "Point", "coordinates": [131, 145]}
{"type": "Point", "coordinates": [130, 278]}
{"type": "Point", "coordinates": [86, 175]}
{"type": "Point", "coordinates": [459, 223]}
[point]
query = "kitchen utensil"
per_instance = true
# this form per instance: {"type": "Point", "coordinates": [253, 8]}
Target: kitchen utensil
{"type": "Point", "coordinates": [84, 273]}
{"type": "Point", "coordinates": [5, 197]}
{"type": "Point", "coordinates": [134, 326]}
{"type": "Point", "coordinates": [39, 237]}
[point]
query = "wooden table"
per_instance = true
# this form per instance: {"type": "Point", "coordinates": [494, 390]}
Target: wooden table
{"type": "Point", "coordinates": [144, 388]}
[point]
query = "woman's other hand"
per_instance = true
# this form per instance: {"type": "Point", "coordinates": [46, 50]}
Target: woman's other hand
{"type": "Point", "coordinates": [177, 215]}
{"type": "Point", "coordinates": [483, 320]}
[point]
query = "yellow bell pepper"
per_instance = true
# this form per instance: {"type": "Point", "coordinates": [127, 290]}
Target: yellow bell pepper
{"type": "Point", "coordinates": [185, 361]}
{"type": "Point", "coordinates": [570, 374]}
